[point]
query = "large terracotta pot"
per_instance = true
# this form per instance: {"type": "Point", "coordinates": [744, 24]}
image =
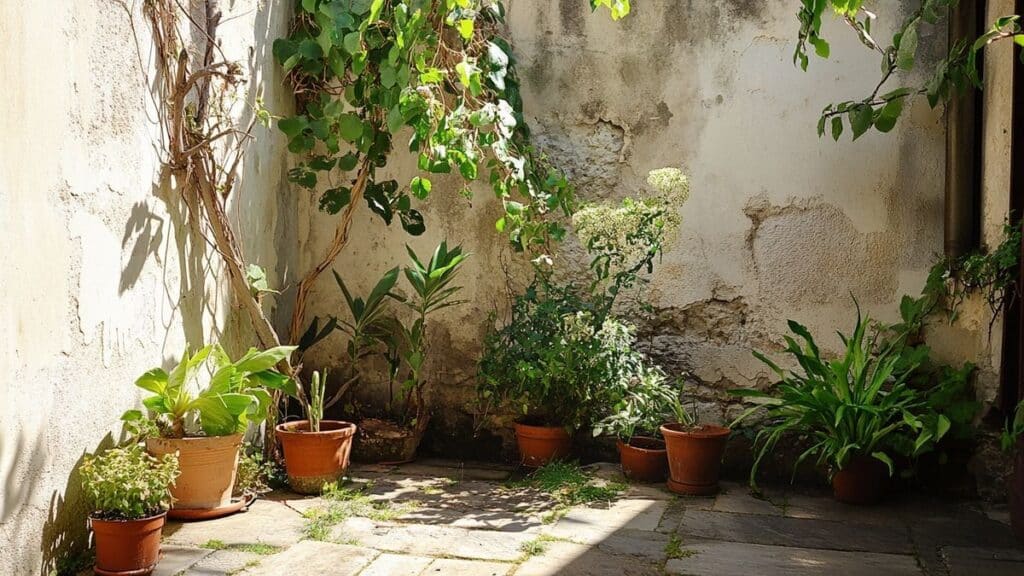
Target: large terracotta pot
{"type": "Point", "coordinates": [539, 445]}
{"type": "Point", "coordinates": [1017, 493]}
{"type": "Point", "coordinates": [315, 458]}
{"type": "Point", "coordinates": [384, 442]}
{"type": "Point", "coordinates": [127, 547]}
{"type": "Point", "coordinates": [208, 466]}
{"type": "Point", "coordinates": [694, 457]}
{"type": "Point", "coordinates": [862, 481]}
{"type": "Point", "coordinates": [644, 459]}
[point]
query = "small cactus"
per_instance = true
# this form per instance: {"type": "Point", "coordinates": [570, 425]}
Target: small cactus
{"type": "Point", "coordinates": [315, 408]}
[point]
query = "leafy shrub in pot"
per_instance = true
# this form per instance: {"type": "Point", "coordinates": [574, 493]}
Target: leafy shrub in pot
{"type": "Point", "coordinates": [204, 424]}
{"type": "Point", "coordinates": [854, 409]}
{"type": "Point", "coordinates": [130, 494]}
{"type": "Point", "coordinates": [646, 402]}
{"type": "Point", "coordinates": [1012, 444]}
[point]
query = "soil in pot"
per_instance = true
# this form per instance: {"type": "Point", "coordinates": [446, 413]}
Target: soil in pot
{"type": "Point", "coordinates": [694, 457]}
{"type": "Point", "coordinates": [1017, 493]}
{"type": "Point", "coordinates": [862, 481]}
{"type": "Point", "coordinates": [208, 466]}
{"type": "Point", "coordinates": [127, 547]}
{"type": "Point", "coordinates": [539, 445]}
{"type": "Point", "coordinates": [315, 458]}
{"type": "Point", "coordinates": [385, 442]}
{"type": "Point", "coordinates": [644, 459]}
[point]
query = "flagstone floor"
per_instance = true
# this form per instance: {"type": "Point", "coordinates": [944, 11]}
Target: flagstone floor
{"type": "Point", "coordinates": [437, 517]}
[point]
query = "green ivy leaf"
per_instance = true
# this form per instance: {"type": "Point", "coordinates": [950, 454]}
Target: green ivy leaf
{"type": "Point", "coordinates": [908, 46]}
{"type": "Point", "coordinates": [293, 125]}
{"type": "Point", "coordinates": [348, 161]}
{"type": "Point", "coordinates": [350, 126]}
{"type": "Point", "coordinates": [420, 187]}
{"type": "Point", "coordinates": [412, 222]}
{"type": "Point", "coordinates": [334, 200]}
{"type": "Point", "coordinates": [465, 27]}
{"type": "Point", "coordinates": [861, 118]}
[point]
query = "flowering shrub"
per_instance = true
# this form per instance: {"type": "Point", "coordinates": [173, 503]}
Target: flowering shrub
{"type": "Point", "coordinates": [127, 483]}
{"type": "Point", "coordinates": [624, 239]}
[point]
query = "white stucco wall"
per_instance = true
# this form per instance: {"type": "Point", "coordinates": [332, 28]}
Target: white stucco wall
{"type": "Point", "coordinates": [780, 224]}
{"type": "Point", "coordinates": [94, 287]}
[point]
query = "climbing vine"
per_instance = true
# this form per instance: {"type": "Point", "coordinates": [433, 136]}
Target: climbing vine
{"type": "Point", "coordinates": [882, 107]}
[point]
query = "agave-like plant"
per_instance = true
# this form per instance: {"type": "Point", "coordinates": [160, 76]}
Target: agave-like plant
{"type": "Point", "coordinates": [858, 404]}
{"type": "Point", "coordinates": [238, 393]}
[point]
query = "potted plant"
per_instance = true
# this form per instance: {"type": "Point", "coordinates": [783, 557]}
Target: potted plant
{"type": "Point", "coordinates": [694, 452]}
{"type": "Point", "coordinates": [1012, 444]}
{"type": "Point", "coordinates": [556, 363]}
{"type": "Point", "coordinates": [853, 410]}
{"type": "Point", "coordinates": [373, 328]}
{"type": "Point", "coordinates": [203, 425]}
{"type": "Point", "coordinates": [316, 451]}
{"type": "Point", "coordinates": [635, 419]}
{"type": "Point", "coordinates": [129, 491]}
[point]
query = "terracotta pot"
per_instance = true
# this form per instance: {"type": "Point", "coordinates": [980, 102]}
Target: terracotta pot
{"type": "Point", "coordinates": [539, 445]}
{"type": "Point", "coordinates": [384, 442]}
{"type": "Point", "coordinates": [862, 481]}
{"type": "Point", "coordinates": [127, 547]}
{"type": "Point", "coordinates": [315, 458]}
{"type": "Point", "coordinates": [694, 457]}
{"type": "Point", "coordinates": [208, 466]}
{"type": "Point", "coordinates": [644, 459]}
{"type": "Point", "coordinates": [1017, 493]}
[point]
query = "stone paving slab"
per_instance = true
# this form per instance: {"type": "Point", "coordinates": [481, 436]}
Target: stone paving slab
{"type": "Point", "coordinates": [714, 558]}
{"type": "Point", "coordinates": [223, 563]}
{"type": "Point", "coordinates": [778, 531]}
{"type": "Point", "coordinates": [397, 565]}
{"type": "Point", "coordinates": [266, 522]}
{"type": "Point", "coordinates": [451, 566]}
{"type": "Point", "coordinates": [737, 499]}
{"type": "Point", "coordinates": [963, 561]}
{"type": "Point", "coordinates": [649, 546]}
{"type": "Point", "coordinates": [175, 559]}
{"type": "Point", "coordinates": [455, 470]}
{"type": "Point", "coordinates": [433, 540]}
{"type": "Point", "coordinates": [821, 506]}
{"type": "Point", "coordinates": [591, 525]}
{"type": "Point", "coordinates": [311, 557]}
{"type": "Point", "coordinates": [571, 559]}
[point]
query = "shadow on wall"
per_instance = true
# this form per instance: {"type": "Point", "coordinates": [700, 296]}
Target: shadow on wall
{"type": "Point", "coordinates": [66, 531]}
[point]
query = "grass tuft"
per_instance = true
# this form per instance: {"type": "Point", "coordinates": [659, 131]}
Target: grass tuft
{"type": "Point", "coordinates": [213, 545]}
{"type": "Point", "coordinates": [674, 549]}
{"type": "Point", "coordinates": [342, 503]}
{"type": "Point", "coordinates": [570, 486]}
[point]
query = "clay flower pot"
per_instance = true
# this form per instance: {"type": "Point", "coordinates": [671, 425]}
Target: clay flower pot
{"type": "Point", "coordinates": [539, 445]}
{"type": "Point", "coordinates": [208, 466]}
{"type": "Point", "coordinates": [1017, 493]}
{"type": "Point", "coordinates": [694, 457]}
{"type": "Point", "coordinates": [385, 442]}
{"type": "Point", "coordinates": [315, 458]}
{"type": "Point", "coordinates": [644, 459]}
{"type": "Point", "coordinates": [862, 481]}
{"type": "Point", "coordinates": [127, 547]}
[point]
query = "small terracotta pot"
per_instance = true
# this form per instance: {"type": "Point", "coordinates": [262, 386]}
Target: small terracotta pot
{"type": "Point", "coordinates": [385, 442]}
{"type": "Point", "coordinates": [862, 481]}
{"type": "Point", "coordinates": [1017, 493]}
{"type": "Point", "coordinates": [315, 458]}
{"type": "Point", "coordinates": [539, 445]}
{"type": "Point", "coordinates": [127, 547]}
{"type": "Point", "coordinates": [644, 459]}
{"type": "Point", "coordinates": [694, 457]}
{"type": "Point", "coordinates": [208, 466]}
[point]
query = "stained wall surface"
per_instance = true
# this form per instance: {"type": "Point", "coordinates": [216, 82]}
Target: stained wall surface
{"type": "Point", "coordinates": [98, 282]}
{"type": "Point", "coordinates": [780, 224]}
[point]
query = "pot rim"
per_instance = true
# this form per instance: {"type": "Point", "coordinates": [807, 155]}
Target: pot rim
{"type": "Point", "coordinates": [93, 518]}
{"type": "Point", "coordinates": [343, 428]}
{"type": "Point", "coordinates": [629, 445]}
{"type": "Point", "coordinates": [227, 439]}
{"type": "Point", "coordinates": [541, 431]}
{"type": "Point", "coordinates": [675, 429]}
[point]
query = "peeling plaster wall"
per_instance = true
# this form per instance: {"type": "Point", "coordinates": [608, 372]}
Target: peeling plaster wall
{"type": "Point", "coordinates": [99, 280]}
{"type": "Point", "coordinates": [780, 224]}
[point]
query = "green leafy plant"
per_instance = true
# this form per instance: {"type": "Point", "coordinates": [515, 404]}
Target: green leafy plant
{"type": "Point", "coordinates": [882, 108]}
{"type": "Point", "coordinates": [236, 394]}
{"type": "Point", "coordinates": [126, 483]}
{"type": "Point", "coordinates": [1013, 430]}
{"type": "Point", "coordinates": [859, 404]}
{"type": "Point", "coordinates": [433, 289]}
{"type": "Point", "coordinates": [646, 401]}
{"type": "Point", "coordinates": [256, 474]}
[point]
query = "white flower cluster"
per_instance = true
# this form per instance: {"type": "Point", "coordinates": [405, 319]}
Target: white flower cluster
{"type": "Point", "coordinates": [672, 185]}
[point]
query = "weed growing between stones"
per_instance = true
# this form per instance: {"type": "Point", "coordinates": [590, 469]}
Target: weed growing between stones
{"type": "Point", "coordinates": [341, 503]}
{"type": "Point", "coordinates": [569, 486]}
